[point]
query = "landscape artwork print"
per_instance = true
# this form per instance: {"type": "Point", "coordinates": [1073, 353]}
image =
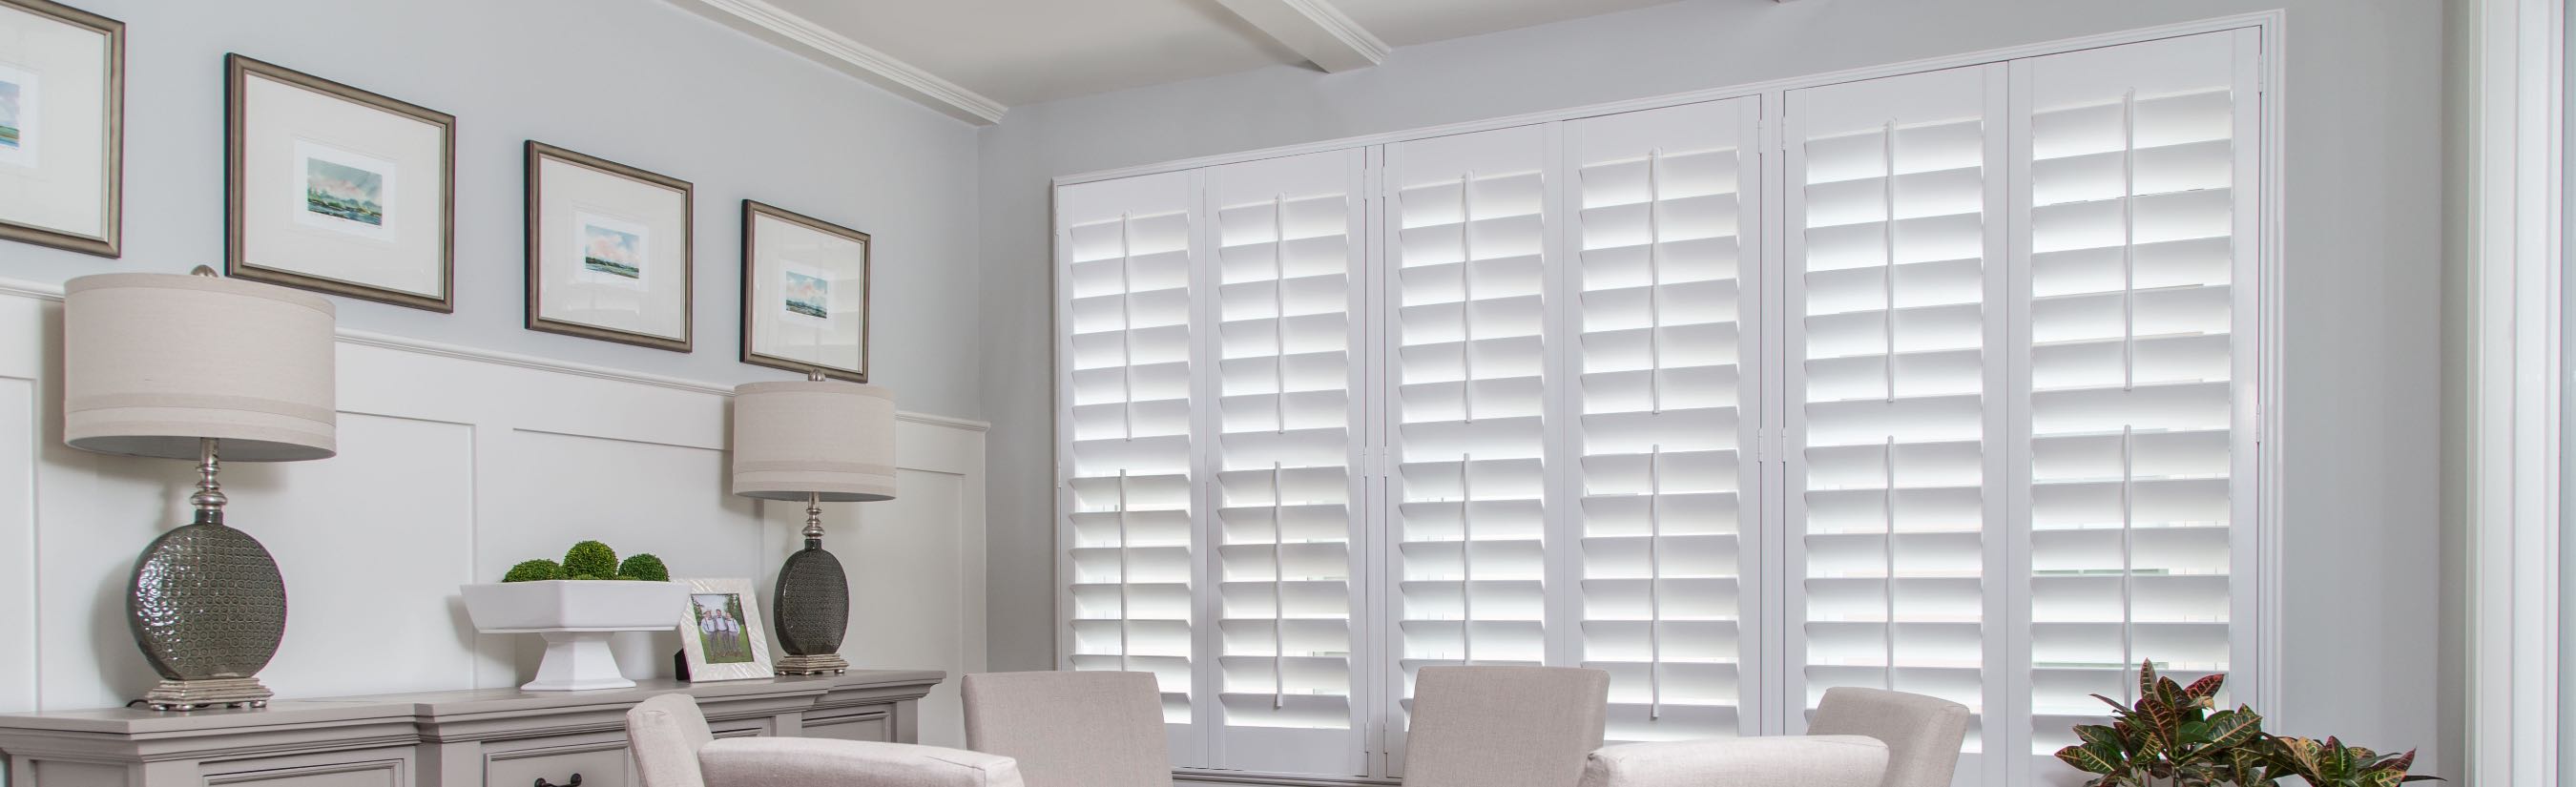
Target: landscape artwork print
{"type": "Point", "coordinates": [344, 191]}
{"type": "Point", "coordinates": [612, 251]}
{"type": "Point", "coordinates": [720, 628]}
{"type": "Point", "coordinates": [18, 129]}
{"type": "Point", "coordinates": [807, 293]}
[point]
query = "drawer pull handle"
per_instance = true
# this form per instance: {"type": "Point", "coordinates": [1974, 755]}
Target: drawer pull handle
{"type": "Point", "coordinates": [576, 782]}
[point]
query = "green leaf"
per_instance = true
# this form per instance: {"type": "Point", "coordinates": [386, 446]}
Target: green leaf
{"type": "Point", "coordinates": [2091, 758]}
{"type": "Point", "coordinates": [2206, 687]}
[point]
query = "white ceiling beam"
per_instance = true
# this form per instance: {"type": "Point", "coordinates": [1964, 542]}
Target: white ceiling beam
{"type": "Point", "coordinates": [1315, 29]}
{"type": "Point", "coordinates": [815, 42]}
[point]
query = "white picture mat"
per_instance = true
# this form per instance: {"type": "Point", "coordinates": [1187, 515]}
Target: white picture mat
{"type": "Point", "coordinates": [656, 303]}
{"type": "Point", "coordinates": [782, 246]}
{"type": "Point", "coordinates": [63, 186]}
{"type": "Point", "coordinates": [276, 117]}
{"type": "Point", "coordinates": [754, 631]}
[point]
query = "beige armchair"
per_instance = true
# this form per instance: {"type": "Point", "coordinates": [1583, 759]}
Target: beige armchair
{"type": "Point", "coordinates": [668, 736]}
{"type": "Point", "coordinates": [1923, 734]}
{"type": "Point", "coordinates": [1504, 726]}
{"type": "Point", "coordinates": [1072, 729]}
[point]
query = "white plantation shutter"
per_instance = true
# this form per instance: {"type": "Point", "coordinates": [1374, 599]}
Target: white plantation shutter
{"type": "Point", "coordinates": [1896, 368]}
{"type": "Point", "coordinates": [1124, 420]}
{"type": "Point", "coordinates": [2138, 366]}
{"type": "Point", "coordinates": [1976, 419]}
{"type": "Point", "coordinates": [1469, 224]}
{"type": "Point", "coordinates": [1289, 439]}
{"type": "Point", "coordinates": [1666, 300]}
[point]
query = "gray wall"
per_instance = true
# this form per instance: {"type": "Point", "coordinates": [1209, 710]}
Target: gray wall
{"type": "Point", "coordinates": [641, 83]}
{"type": "Point", "coordinates": [2364, 147]}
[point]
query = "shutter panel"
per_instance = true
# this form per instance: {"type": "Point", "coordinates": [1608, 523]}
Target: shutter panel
{"type": "Point", "coordinates": [1895, 376]}
{"type": "Point", "coordinates": [1666, 297]}
{"type": "Point", "coordinates": [2139, 357]}
{"type": "Point", "coordinates": [1287, 493]}
{"type": "Point", "coordinates": [1469, 224]}
{"type": "Point", "coordinates": [1124, 429]}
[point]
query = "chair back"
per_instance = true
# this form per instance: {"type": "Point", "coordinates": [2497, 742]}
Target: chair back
{"type": "Point", "coordinates": [1504, 726]}
{"type": "Point", "coordinates": [819, 762]}
{"type": "Point", "coordinates": [1071, 729]}
{"type": "Point", "coordinates": [1923, 734]}
{"type": "Point", "coordinates": [665, 733]}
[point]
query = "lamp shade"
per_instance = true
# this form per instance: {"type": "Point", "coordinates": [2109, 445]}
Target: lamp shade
{"type": "Point", "coordinates": [152, 362]}
{"type": "Point", "coordinates": [827, 438]}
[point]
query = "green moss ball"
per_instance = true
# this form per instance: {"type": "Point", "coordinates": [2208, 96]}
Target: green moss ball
{"type": "Point", "coordinates": [534, 571]}
{"type": "Point", "coordinates": [644, 566]}
{"type": "Point", "coordinates": [592, 558]}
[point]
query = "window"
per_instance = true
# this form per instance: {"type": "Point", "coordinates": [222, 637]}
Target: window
{"type": "Point", "coordinates": [1940, 382]}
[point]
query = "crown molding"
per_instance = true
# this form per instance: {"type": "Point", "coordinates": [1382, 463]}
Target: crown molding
{"type": "Point", "coordinates": [815, 42]}
{"type": "Point", "coordinates": [1313, 28]}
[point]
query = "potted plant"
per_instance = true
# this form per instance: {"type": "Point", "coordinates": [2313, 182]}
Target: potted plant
{"type": "Point", "coordinates": [575, 605]}
{"type": "Point", "coordinates": [2176, 736]}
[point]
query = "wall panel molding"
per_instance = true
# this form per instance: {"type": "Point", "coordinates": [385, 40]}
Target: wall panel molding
{"type": "Point", "coordinates": [455, 463]}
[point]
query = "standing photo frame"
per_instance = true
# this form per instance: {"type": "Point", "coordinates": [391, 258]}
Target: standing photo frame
{"type": "Point", "coordinates": [721, 634]}
{"type": "Point", "coordinates": [62, 127]}
{"type": "Point", "coordinates": [609, 250]}
{"type": "Point", "coordinates": [338, 190]}
{"type": "Point", "coordinates": [805, 286]}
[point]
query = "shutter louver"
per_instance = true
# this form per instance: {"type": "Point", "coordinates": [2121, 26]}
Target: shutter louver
{"type": "Point", "coordinates": [1287, 491]}
{"type": "Point", "coordinates": [1895, 376]}
{"type": "Point", "coordinates": [2139, 362]}
{"type": "Point", "coordinates": [1126, 281]}
{"type": "Point", "coordinates": [1664, 314]}
{"type": "Point", "coordinates": [1468, 272]}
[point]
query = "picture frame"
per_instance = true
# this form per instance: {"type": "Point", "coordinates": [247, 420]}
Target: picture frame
{"type": "Point", "coordinates": [721, 631]}
{"type": "Point", "coordinates": [805, 290]}
{"type": "Point", "coordinates": [62, 127]}
{"type": "Point", "coordinates": [609, 250]}
{"type": "Point", "coordinates": [337, 190]}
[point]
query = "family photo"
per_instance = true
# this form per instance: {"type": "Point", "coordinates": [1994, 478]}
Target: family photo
{"type": "Point", "coordinates": [720, 628]}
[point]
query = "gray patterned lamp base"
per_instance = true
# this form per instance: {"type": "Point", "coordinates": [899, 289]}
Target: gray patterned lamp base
{"type": "Point", "coordinates": [813, 611]}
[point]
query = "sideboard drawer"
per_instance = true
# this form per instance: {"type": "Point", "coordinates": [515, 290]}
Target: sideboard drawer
{"type": "Point", "coordinates": [388, 771]}
{"type": "Point", "coordinates": [601, 764]}
{"type": "Point", "coordinates": [870, 725]}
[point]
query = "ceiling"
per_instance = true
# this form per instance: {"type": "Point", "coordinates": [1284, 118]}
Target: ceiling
{"type": "Point", "coordinates": [1025, 51]}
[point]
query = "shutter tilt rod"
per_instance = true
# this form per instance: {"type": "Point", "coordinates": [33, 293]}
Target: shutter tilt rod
{"type": "Point", "coordinates": [1466, 564]}
{"type": "Point", "coordinates": [1278, 598]}
{"type": "Point", "coordinates": [1654, 582]}
{"type": "Point", "coordinates": [1126, 347]}
{"type": "Point", "coordinates": [1122, 569]}
{"type": "Point", "coordinates": [2128, 532]}
{"type": "Point", "coordinates": [1654, 285]}
{"type": "Point", "coordinates": [2129, 240]}
{"type": "Point", "coordinates": [1887, 277]}
{"type": "Point", "coordinates": [1466, 298]}
{"type": "Point", "coordinates": [1887, 552]}
{"type": "Point", "coordinates": [1279, 316]}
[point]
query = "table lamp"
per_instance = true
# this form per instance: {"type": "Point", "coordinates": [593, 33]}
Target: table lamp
{"type": "Point", "coordinates": [186, 367]}
{"type": "Point", "coordinates": [816, 440]}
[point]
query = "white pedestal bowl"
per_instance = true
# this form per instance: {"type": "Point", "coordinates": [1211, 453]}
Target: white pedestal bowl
{"type": "Point", "coordinates": [576, 617]}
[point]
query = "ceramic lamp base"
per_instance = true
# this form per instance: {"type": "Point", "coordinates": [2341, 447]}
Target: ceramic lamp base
{"type": "Point", "coordinates": [577, 661]}
{"type": "Point", "coordinates": [207, 693]}
{"type": "Point", "coordinates": [825, 664]}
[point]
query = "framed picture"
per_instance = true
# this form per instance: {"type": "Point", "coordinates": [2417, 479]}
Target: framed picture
{"type": "Point", "coordinates": [338, 190]}
{"type": "Point", "coordinates": [720, 632]}
{"type": "Point", "coordinates": [62, 127]}
{"type": "Point", "coordinates": [804, 293]}
{"type": "Point", "coordinates": [608, 250]}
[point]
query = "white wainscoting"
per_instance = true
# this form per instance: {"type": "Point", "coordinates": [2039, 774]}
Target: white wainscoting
{"type": "Point", "coordinates": [453, 465]}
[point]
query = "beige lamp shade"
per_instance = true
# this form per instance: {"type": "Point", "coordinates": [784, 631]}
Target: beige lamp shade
{"type": "Point", "coordinates": [152, 362]}
{"type": "Point", "coordinates": [827, 438]}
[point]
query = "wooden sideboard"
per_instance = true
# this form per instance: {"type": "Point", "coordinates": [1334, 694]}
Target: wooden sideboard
{"type": "Point", "coordinates": [477, 738]}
